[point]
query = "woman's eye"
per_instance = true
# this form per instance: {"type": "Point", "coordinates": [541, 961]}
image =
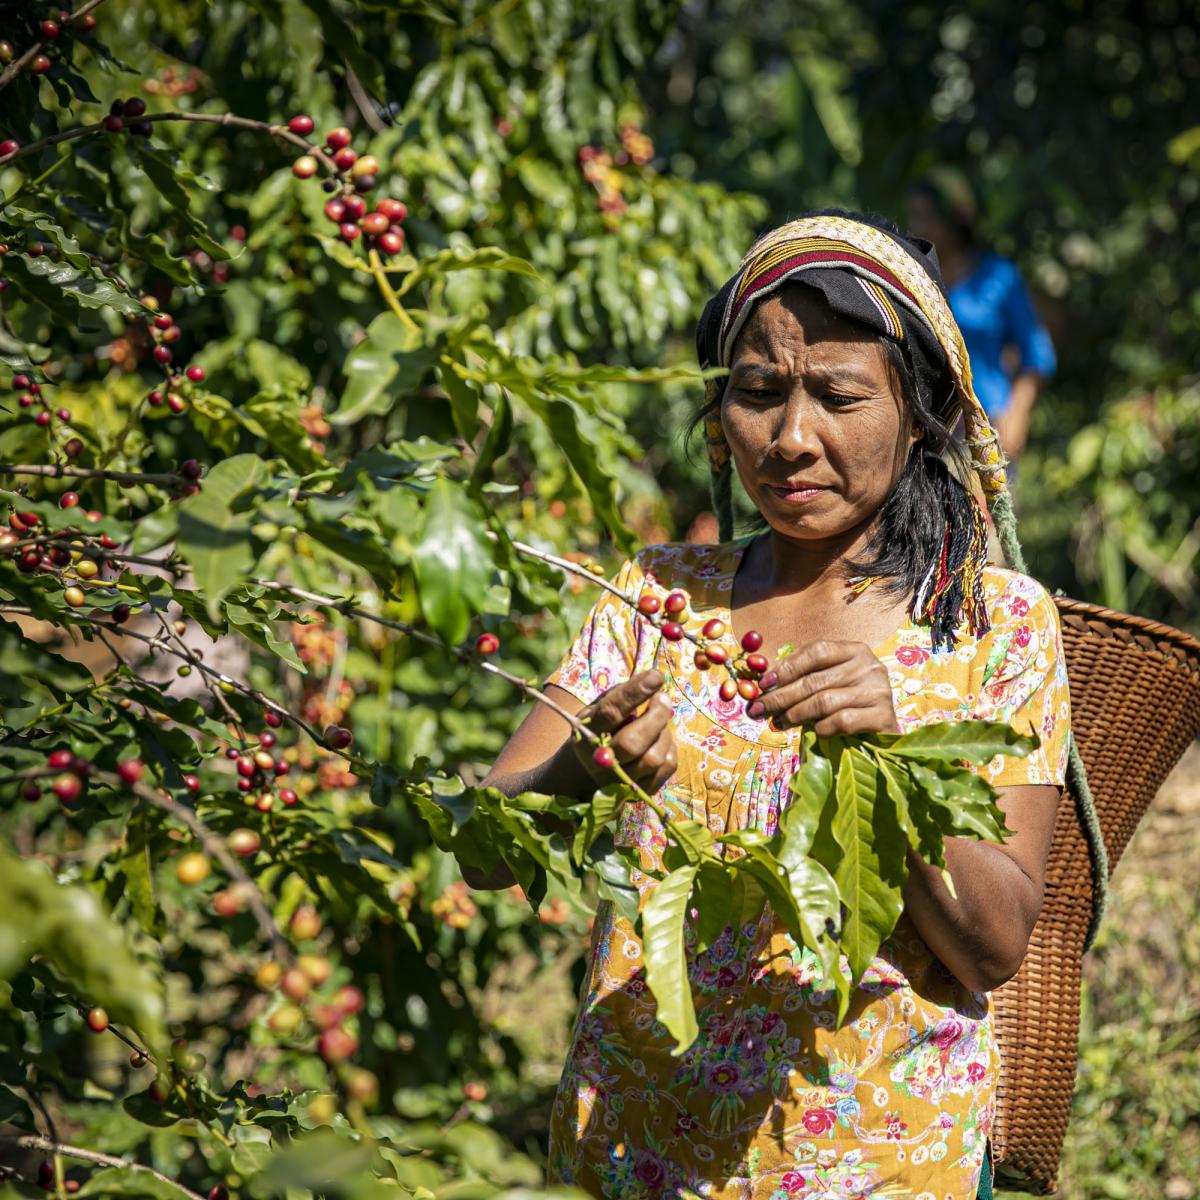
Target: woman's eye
{"type": "Point", "coordinates": [840, 401]}
{"type": "Point", "coordinates": [760, 392]}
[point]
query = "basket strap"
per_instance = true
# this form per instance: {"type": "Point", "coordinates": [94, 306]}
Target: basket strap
{"type": "Point", "coordinates": [1085, 803]}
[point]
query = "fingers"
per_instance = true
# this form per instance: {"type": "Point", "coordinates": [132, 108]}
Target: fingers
{"type": "Point", "coordinates": [832, 687]}
{"type": "Point", "coordinates": [619, 703]}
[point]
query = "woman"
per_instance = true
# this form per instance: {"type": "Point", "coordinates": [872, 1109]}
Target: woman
{"type": "Point", "coordinates": [869, 588]}
{"type": "Point", "coordinates": [991, 304]}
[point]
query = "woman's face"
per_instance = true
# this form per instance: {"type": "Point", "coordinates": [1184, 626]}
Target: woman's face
{"type": "Point", "coordinates": [815, 418]}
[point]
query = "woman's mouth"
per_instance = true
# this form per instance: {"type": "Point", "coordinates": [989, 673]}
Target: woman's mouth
{"type": "Point", "coordinates": [797, 493]}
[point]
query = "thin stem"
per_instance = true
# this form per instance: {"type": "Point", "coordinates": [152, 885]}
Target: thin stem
{"type": "Point", "coordinates": [30, 1141]}
{"type": "Point", "coordinates": [225, 119]}
{"type": "Point", "coordinates": [61, 471]}
{"type": "Point", "coordinates": [18, 64]}
{"type": "Point", "coordinates": [388, 292]}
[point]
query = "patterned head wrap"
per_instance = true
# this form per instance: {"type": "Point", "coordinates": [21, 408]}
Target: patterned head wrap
{"type": "Point", "coordinates": [889, 284]}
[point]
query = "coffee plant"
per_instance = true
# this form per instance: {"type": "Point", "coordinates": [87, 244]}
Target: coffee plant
{"type": "Point", "coordinates": [319, 323]}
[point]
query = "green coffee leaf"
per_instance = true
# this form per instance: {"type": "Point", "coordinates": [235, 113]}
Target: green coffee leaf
{"type": "Point", "coordinates": [453, 561]}
{"type": "Point", "coordinates": [665, 957]}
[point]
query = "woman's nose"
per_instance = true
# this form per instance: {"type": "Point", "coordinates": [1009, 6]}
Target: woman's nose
{"type": "Point", "coordinates": [796, 434]}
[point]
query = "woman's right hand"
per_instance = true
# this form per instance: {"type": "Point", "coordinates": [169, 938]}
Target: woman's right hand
{"type": "Point", "coordinates": [638, 717]}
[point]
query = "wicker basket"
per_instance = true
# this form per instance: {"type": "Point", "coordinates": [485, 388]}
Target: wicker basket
{"type": "Point", "coordinates": [1135, 698]}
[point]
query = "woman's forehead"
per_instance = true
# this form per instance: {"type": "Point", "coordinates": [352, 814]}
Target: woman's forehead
{"type": "Point", "coordinates": [798, 317]}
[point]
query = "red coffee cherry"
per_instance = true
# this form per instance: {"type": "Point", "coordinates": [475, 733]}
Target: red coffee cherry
{"type": "Point", "coordinates": [74, 447]}
{"type": "Point", "coordinates": [338, 737]}
{"type": "Point", "coordinates": [394, 210]}
{"type": "Point", "coordinates": [137, 1060]}
{"type": "Point", "coordinates": [162, 355]}
{"type": "Point", "coordinates": [43, 418]}
{"type": "Point", "coordinates": [68, 500]}
{"type": "Point", "coordinates": [301, 124]}
{"type": "Point", "coordinates": [756, 663]}
{"type": "Point", "coordinates": [487, 643]}
{"type": "Point", "coordinates": [245, 767]}
{"type": "Point", "coordinates": [263, 760]}
{"type": "Point", "coordinates": [155, 399]}
{"type": "Point", "coordinates": [244, 842]}
{"type": "Point", "coordinates": [192, 783]}
{"type": "Point", "coordinates": [604, 757]}
{"type": "Point", "coordinates": [335, 139]}
{"type": "Point", "coordinates": [195, 374]}
{"type": "Point", "coordinates": [217, 1191]}
{"type": "Point", "coordinates": [49, 30]}
{"type": "Point", "coordinates": [672, 631]}
{"type": "Point", "coordinates": [345, 158]}
{"type": "Point", "coordinates": [348, 231]}
{"type": "Point", "coordinates": [374, 224]}
{"type": "Point", "coordinates": [84, 24]}
{"type": "Point", "coordinates": [335, 209]}
{"type": "Point", "coordinates": [135, 106]}
{"type": "Point", "coordinates": [120, 613]}
{"type": "Point", "coordinates": [131, 770]}
{"type": "Point", "coordinates": [702, 661]}
{"type": "Point", "coordinates": [267, 739]}
{"type": "Point", "coordinates": [97, 1019]}
{"type": "Point", "coordinates": [20, 381]}
{"type": "Point", "coordinates": [113, 123]}
{"type": "Point", "coordinates": [289, 797]}
{"type": "Point", "coordinates": [164, 321]}
{"type": "Point", "coordinates": [349, 999]}
{"type": "Point", "coordinates": [273, 718]}
{"type": "Point", "coordinates": [60, 758]}
{"type": "Point", "coordinates": [649, 603]}
{"type": "Point", "coordinates": [751, 639]}
{"type": "Point", "coordinates": [676, 602]}
{"type": "Point", "coordinates": [336, 1045]}
{"type": "Point", "coordinates": [714, 628]}
{"type": "Point", "coordinates": [190, 469]}
{"type": "Point", "coordinates": [38, 65]}
{"type": "Point", "coordinates": [356, 207]}
{"type": "Point", "coordinates": [305, 167]}
{"type": "Point", "coordinates": [176, 404]}
{"type": "Point", "coordinates": [9, 146]}
{"type": "Point", "coordinates": [391, 242]}
{"type": "Point", "coordinates": [717, 654]}
{"type": "Point", "coordinates": [748, 689]}
{"type": "Point", "coordinates": [728, 690]}
{"type": "Point", "coordinates": [265, 802]}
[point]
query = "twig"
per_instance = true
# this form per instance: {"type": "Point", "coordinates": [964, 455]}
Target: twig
{"type": "Point", "coordinates": [388, 292]}
{"type": "Point", "coordinates": [18, 64]}
{"type": "Point", "coordinates": [31, 1141]}
{"type": "Point", "coordinates": [61, 471]}
{"type": "Point", "coordinates": [225, 119]}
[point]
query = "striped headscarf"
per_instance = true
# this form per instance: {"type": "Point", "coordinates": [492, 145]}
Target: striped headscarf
{"type": "Point", "coordinates": [891, 285]}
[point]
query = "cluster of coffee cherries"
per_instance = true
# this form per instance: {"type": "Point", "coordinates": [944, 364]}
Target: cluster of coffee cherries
{"type": "Point", "coordinates": [258, 770]}
{"type": "Point", "coordinates": [307, 1000]}
{"type": "Point", "coordinates": [73, 771]}
{"type": "Point", "coordinates": [50, 29]}
{"type": "Point", "coordinates": [127, 115]}
{"type": "Point", "coordinates": [165, 331]}
{"type": "Point", "coordinates": [714, 648]}
{"type": "Point", "coordinates": [63, 553]}
{"type": "Point", "coordinates": [32, 398]}
{"type": "Point", "coordinates": [357, 175]}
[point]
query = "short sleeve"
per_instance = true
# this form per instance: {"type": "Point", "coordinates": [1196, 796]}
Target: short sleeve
{"type": "Point", "coordinates": [1024, 684]}
{"type": "Point", "coordinates": [1023, 329]}
{"type": "Point", "coordinates": [607, 648]}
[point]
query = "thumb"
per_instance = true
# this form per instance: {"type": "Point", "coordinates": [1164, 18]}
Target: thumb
{"type": "Point", "coordinates": [620, 703]}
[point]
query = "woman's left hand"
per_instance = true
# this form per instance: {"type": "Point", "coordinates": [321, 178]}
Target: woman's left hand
{"type": "Point", "coordinates": [833, 687]}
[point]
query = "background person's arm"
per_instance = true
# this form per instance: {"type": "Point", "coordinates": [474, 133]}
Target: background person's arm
{"type": "Point", "coordinates": [1013, 427]}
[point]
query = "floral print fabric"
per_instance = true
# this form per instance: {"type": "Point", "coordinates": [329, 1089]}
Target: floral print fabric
{"type": "Point", "coordinates": [771, 1102]}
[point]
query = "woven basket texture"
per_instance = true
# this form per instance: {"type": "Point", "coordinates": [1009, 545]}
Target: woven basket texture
{"type": "Point", "coordinates": [1135, 705]}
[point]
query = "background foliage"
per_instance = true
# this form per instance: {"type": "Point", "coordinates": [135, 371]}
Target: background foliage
{"type": "Point", "coordinates": [563, 282]}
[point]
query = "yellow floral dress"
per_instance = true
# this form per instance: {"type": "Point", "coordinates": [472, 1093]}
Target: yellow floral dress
{"type": "Point", "coordinates": [771, 1102]}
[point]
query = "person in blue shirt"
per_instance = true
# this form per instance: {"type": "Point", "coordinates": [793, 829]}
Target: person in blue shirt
{"type": "Point", "coordinates": [1011, 352]}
